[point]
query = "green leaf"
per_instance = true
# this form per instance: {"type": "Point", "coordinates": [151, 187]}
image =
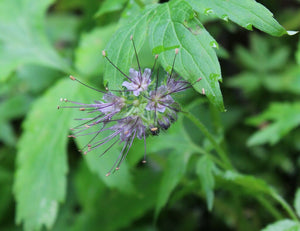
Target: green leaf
{"type": "Point", "coordinates": [246, 14]}
{"type": "Point", "coordinates": [204, 171]}
{"type": "Point", "coordinates": [177, 160]}
{"type": "Point", "coordinates": [113, 210]}
{"type": "Point", "coordinates": [88, 57]}
{"type": "Point", "coordinates": [40, 181]}
{"type": "Point", "coordinates": [174, 25]}
{"type": "Point", "coordinates": [248, 182]}
{"type": "Point", "coordinates": [174, 171]}
{"type": "Point", "coordinates": [298, 53]}
{"type": "Point", "coordinates": [120, 50]}
{"type": "Point", "coordinates": [22, 37]}
{"type": "Point", "coordinates": [284, 117]}
{"type": "Point", "coordinates": [283, 225]}
{"type": "Point", "coordinates": [109, 6]}
{"type": "Point", "coordinates": [7, 134]}
{"type": "Point", "coordinates": [120, 179]}
{"type": "Point", "coordinates": [297, 202]}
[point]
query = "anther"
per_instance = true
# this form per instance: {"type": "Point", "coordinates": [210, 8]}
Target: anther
{"type": "Point", "coordinates": [71, 136]}
{"type": "Point", "coordinates": [176, 51]}
{"type": "Point", "coordinates": [65, 100]}
{"type": "Point", "coordinates": [72, 77]}
{"type": "Point", "coordinates": [153, 129]}
{"type": "Point", "coordinates": [58, 106]}
{"type": "Point", "coordinates": [144, 161]}
{"type": "Point", "coordinates": [81, 109]}
{"type": "Point", "coordinates": [156, 56]}
{"type": "Point", "coordinates": [106, 89]}
{"type": "Point", "coordinates": [107, 174]}
{"type": "Point", "coordinates": [203, 91]}
{"type": "Point", "coordinates": [87, 126]}
{"type": "Point", "coordinates": [198, 79]}
{"type": "Point", "coordinates": [131, 37]}
{"type": "Point", "coordinates": [61, 99]}
{"type": "Point", "coordinates": [117, 168]}
{"type": "Point", "coordinates": [104, 53]}
{"type": "Point", "coordinates": [85, 153]}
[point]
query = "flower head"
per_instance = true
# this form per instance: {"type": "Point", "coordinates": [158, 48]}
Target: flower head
{"type": "Point", "coordinates": [143, 108]}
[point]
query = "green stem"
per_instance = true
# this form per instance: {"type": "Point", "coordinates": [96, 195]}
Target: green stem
{"type": "Point", "coordinates": [204, 130]}
{"type": "Point", "coordinates": [269, 207]}
{"type": "Point", "coordinates": [284, 205]}
{"type": "Point", "coordinates": [212, 157]}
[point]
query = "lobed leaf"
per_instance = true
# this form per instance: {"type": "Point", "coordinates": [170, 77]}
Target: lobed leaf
{"type": "Point", "coordinates": [175, 26]}
{"type": "Point", "coordinates": [40, 180]}
{"type": "Point", "coordinates": [284, 117]}
{"type": "Point", "coordinates": [247, 13]}
{"type": "Point", "coordinates": [204, 170]}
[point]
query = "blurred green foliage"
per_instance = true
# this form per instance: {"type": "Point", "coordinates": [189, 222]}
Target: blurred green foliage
{"type": "Point", "coordinates": [212, 170]}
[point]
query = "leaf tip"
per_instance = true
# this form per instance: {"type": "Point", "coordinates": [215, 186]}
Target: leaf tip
{"type": "Point", "coordinates": [292, 32]}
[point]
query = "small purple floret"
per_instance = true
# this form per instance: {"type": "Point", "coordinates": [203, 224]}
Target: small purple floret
{"type": "Point", "coordinates": [159, 100]}
{"type": "Point", "coordinates": [140, 82]}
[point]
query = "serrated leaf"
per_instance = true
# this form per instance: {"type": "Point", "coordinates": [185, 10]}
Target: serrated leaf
{"type": "Point", "coordinates": [120, 179]}
{"type": "Point", "coordinates": [40, 181]}
{"type": "Point", "coordinates": [283, 225]}
{"type": "Point", "coordinates": [110, 6]}
{"type": "Point", "coordinates": [120, 50]}
{"type": "Point", "coordinates": [297, 202]}
{"type": "Point", "coordinates": [22, 37]}
{"type": "Point", "coordinates": [174, 25]}
{"type": "Point", "coordinates": [204, 170]}
{"type": "Point", "coordinates": [88, 57]}
{"type": "Point", "coordinates": [245, 14]}
{"type": "Point", "coordinates": [283, 116]}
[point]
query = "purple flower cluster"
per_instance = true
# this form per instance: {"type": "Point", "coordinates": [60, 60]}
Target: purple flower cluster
{"type": "Point", "coordinates": [141, 109]}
